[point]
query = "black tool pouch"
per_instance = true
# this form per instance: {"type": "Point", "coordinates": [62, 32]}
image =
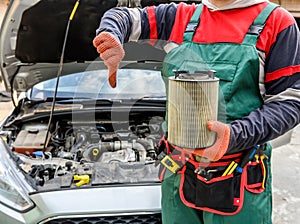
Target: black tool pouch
{"type": "Point", "coordinates": [222, 195]}
{"type": "Point", "coordinates": [257, 173]}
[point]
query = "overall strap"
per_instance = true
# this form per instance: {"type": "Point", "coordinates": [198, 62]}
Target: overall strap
{"type": "Point", "coordinates": [193, 24]}
{"type": "Point", "coordinates": [258, 24]}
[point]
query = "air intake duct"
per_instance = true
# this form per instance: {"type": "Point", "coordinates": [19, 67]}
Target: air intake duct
{"type": "Point", "coordinates": [192, 101]}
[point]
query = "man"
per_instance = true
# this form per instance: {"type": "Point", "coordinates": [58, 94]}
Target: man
{"type": "Point", "coordinates": [255, 48]}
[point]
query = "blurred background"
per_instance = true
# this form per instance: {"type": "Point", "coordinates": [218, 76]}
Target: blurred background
{"type": "Point", "coordinates": [5, 102]}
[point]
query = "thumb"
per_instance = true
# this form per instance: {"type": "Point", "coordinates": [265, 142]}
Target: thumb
{"type": "Point", "coordinates": [112, 77]}
{"type": "Point", "coordinates": [219, 148]}
{"type": "Point", "coordinates": [223, 133]}
{"type": "Point", "coordinates": [222, 130]}
{"type": "Point", "coordinates": [216, 126]}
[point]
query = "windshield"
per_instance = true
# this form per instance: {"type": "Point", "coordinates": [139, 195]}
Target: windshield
{"type": "Point", "coordinates": [131, 84]}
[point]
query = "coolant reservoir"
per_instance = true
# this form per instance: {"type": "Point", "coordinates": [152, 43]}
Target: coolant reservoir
{"type": "Point", "coordinates": [192, 101]}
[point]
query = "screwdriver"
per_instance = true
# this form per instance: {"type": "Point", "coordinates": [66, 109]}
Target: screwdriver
{"type": "Point", "coordinates": [248, 156]}
{"type": "Point", "coordinates": [245, 159]}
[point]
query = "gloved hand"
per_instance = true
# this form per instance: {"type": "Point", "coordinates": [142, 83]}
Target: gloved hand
{"type": "Point", "coordinates": [111, 52]}
{"type": "Point", "coordinates": [219, 148]}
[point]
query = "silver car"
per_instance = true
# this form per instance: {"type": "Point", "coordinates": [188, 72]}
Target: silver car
{"type": "Point", "coordinates": [75, 150]}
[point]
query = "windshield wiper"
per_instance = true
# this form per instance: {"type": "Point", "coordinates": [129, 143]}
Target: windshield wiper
{"type": "Point", "coordinates": [57, 100]}
{"type": "Point", "coordinates": [98, 102]}
{"type": "Point", "coordinates": [153, 97]}
{"type": "Point", "coordinates": [159, 101]}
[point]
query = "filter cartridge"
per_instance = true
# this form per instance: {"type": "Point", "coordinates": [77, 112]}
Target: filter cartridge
{"type": "Point", "coordinates": [192, 101]}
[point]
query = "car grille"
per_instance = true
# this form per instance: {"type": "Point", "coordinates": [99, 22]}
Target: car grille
{"type": "Point", "coordinates": [125, 219]}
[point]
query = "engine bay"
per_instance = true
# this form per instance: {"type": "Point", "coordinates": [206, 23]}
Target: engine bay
{"type": "Point", "coordinates": [79, 150]}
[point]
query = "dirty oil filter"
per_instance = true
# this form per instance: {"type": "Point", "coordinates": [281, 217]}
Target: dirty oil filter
{"type": "Point", "coordinates": [192, 101]}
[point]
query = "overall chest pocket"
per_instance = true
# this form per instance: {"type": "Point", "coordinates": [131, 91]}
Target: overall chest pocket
{"type": "Point", "coordinates": [225, 71]}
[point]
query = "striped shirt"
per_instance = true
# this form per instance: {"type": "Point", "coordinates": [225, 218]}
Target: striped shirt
{"type": "Point", "coordinates": [278, 47]}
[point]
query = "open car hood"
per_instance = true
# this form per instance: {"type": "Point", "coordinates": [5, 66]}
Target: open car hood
{"type": "Point", "coordinates": [33, 32]}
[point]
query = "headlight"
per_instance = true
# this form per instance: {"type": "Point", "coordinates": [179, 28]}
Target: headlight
{"type": "Point", "coordinates": [13, 189]}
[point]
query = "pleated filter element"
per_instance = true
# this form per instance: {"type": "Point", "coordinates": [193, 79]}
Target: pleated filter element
{"type": "Point", "coordinates": [192, 101]}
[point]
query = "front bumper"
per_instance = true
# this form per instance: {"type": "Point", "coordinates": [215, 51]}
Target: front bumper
{"type": "Point", "coordinates": [134, 202]}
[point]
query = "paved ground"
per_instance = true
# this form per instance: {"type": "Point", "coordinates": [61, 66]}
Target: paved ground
{"type": "Point", "coordinates": [286, 167]}
{"type": "Point", "coordinates": [286, 179]}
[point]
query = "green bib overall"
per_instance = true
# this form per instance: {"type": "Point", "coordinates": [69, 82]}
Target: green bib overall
{"type": "Point", "coordinates": [237, 67]}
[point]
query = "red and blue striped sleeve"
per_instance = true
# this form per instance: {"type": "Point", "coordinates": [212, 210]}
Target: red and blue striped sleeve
{"type": "Point", "coordinates": [280, 42]}
{"type": "Point", "coordinates": [151, 23]}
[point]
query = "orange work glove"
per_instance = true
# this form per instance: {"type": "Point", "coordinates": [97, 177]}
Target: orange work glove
{"type": "Point", "coordinates": [111, 52]}
{"type": "Point", "coordinates": [219, 148]}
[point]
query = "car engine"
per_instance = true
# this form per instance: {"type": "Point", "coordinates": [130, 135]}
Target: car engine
{"type": "Point", "coordinates": [103, 151]}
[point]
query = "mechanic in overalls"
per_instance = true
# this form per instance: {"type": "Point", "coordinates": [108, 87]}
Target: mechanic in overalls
{"type": "Point", "coordinates": [261, 44]}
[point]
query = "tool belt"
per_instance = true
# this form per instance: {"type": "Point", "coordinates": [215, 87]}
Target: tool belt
{"type": "Point", "coordinates": [216, 187]}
